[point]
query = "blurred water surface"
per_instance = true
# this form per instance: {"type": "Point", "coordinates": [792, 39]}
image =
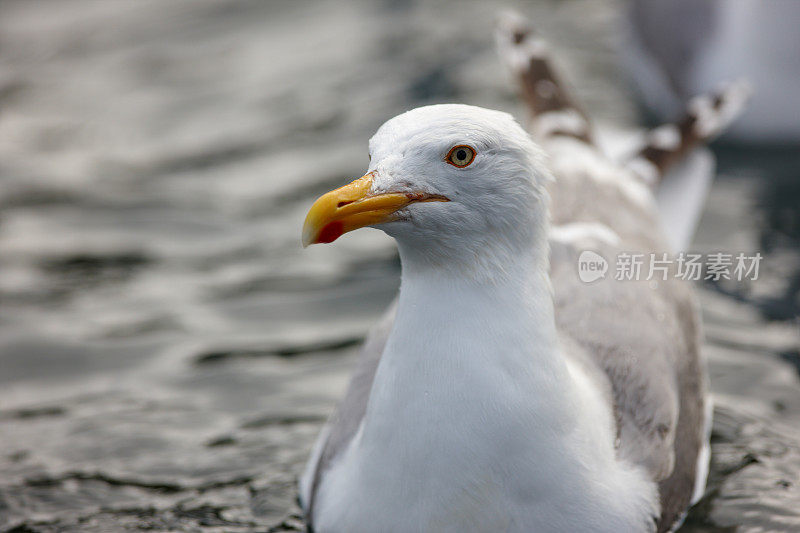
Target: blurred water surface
{"type": "Point", "coordinates": [168, 352]}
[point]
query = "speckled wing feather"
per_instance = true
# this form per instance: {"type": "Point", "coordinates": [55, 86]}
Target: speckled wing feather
{"type": "Point", "coordinates": [705, 117]}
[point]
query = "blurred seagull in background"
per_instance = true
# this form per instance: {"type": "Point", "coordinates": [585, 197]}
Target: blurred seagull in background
{"type": "Point", "coordinates": [676, 48]}
{"type": "Point", "coordinates": [500, 392]}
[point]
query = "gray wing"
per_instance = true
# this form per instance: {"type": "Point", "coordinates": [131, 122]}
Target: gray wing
{"type": "Point", "coordinates": [345, 421]}
{"type": "Point", "coordinates": [643, 337]}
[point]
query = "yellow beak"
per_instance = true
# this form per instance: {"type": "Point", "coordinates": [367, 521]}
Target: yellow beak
{"type": "Point", "coordinates": [352, 207]}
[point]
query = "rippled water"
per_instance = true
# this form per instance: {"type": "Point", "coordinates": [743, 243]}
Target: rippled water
{"type": "Point", "coordinates": [167, 350]}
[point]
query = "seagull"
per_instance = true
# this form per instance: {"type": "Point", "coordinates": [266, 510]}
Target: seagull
{"type": "Point", "coordinates": [503, 391]}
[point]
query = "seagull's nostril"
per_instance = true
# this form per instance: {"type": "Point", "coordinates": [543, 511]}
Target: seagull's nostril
{"type": "Point", "coordinates": [344, 203]}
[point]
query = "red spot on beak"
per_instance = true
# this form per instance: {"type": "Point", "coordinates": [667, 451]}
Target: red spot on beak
{"type": "Point", "coordinates": [331, 232]}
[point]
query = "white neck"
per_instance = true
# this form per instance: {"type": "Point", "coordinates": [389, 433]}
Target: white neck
{"type": "Point", "coordinates": [454, 336]}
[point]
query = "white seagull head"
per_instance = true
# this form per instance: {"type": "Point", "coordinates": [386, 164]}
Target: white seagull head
{"type": "Point", "coordinates": [453, 184]}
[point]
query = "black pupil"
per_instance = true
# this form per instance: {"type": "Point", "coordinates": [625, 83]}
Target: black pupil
{"type": "Point", "coordinates": [461, 155]}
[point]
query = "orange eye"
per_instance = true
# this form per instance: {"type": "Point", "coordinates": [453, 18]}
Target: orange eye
{"type": "Point", "coordinates": [460, 156]}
